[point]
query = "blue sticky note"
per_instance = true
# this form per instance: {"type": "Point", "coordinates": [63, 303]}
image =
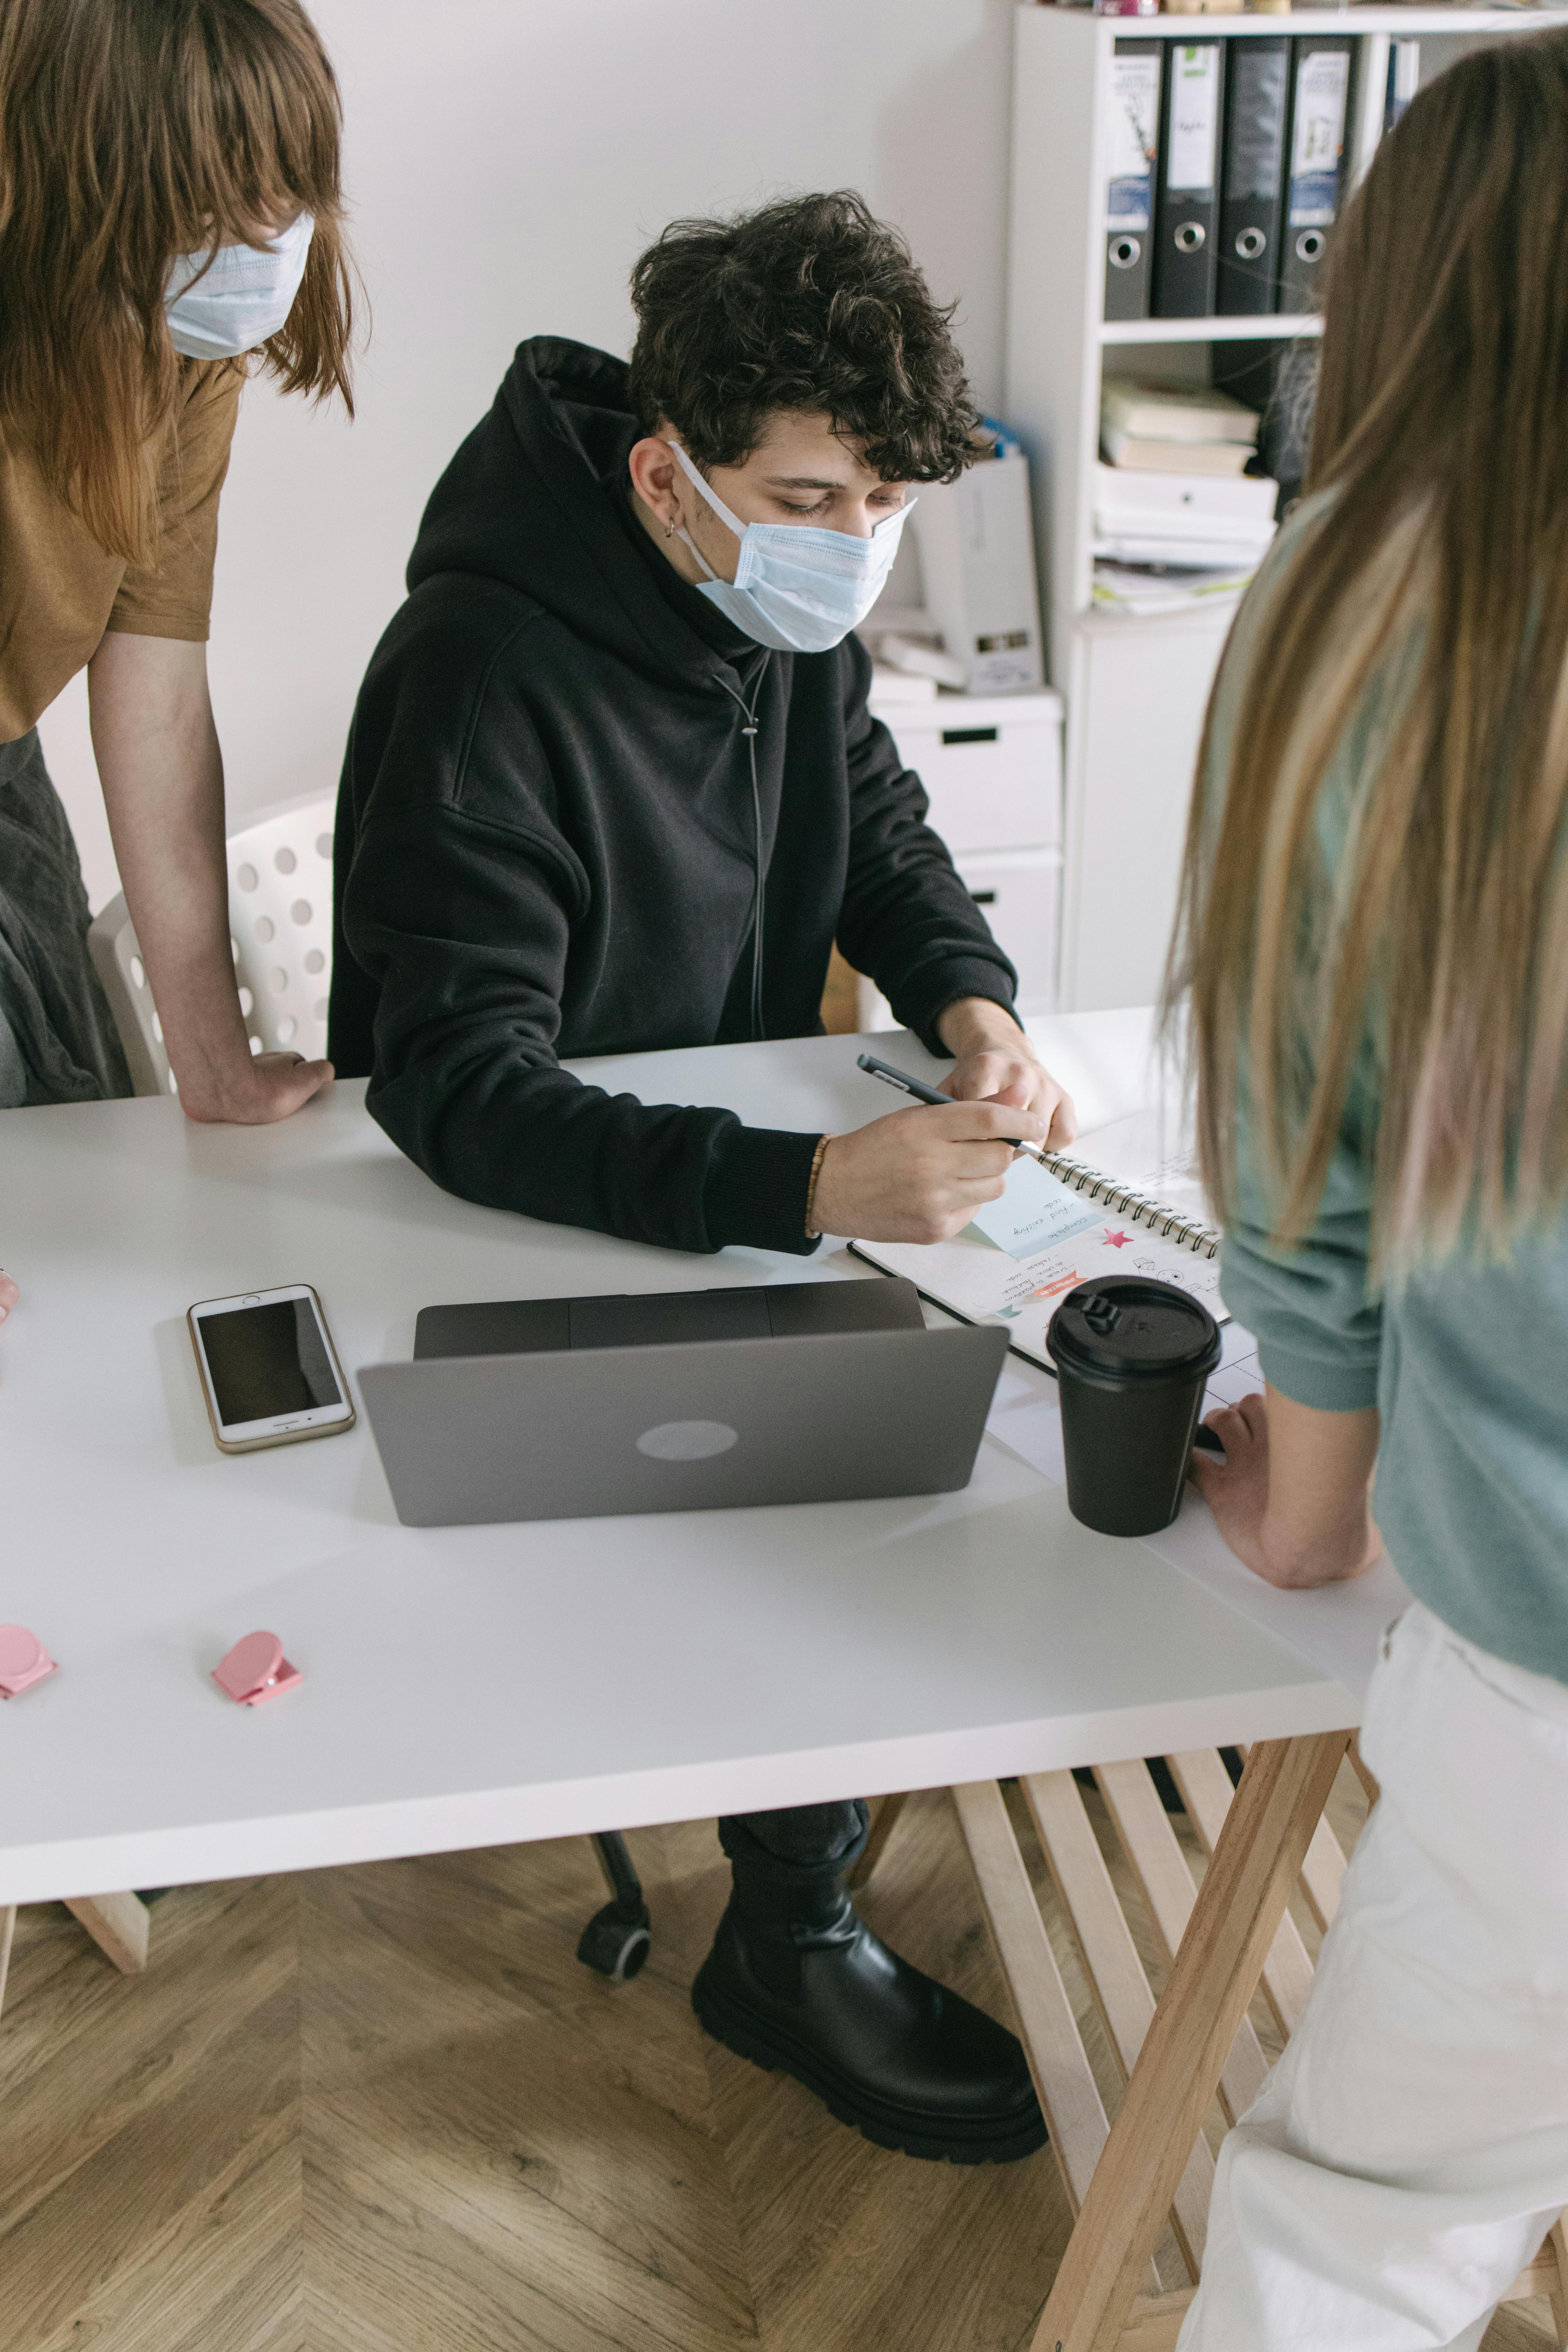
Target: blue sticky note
{"type": "Point", "coordinates": [1035, 1211]}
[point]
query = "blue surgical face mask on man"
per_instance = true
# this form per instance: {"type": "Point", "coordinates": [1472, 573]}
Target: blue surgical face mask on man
{"type": "Point", "coordinates": [797, 589]}
{"type": "Point", "coordinates": [241, 301]}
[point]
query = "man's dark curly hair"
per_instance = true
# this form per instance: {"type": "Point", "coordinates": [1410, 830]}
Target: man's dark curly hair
{"type": "Point", "coordinates": [810, 304]}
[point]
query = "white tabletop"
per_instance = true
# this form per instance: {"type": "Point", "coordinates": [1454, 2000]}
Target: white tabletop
{"type": "Point", "coordinates": [476, 1685]}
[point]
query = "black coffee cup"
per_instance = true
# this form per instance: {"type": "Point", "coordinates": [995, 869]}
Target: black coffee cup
{"type": "Point", "coordinates": [1133, 1360]}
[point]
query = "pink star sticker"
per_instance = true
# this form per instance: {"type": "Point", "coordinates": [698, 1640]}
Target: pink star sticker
{"type": "Point", "coordinates": [1117, 1241]}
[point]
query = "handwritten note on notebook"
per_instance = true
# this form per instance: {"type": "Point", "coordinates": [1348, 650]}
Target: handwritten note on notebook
{"type": "Point", "coordinates": [1035, 1211]}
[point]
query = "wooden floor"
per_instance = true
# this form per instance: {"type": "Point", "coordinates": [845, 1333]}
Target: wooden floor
{"type": "Point", "coordinates": [385, 2110]}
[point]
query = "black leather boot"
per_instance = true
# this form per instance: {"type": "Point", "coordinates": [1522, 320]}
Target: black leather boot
{"type": "Point", "coordinates": [795, 1980]}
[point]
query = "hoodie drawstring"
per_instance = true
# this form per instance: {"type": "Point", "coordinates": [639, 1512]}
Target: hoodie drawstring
{"type": "Point", "coordinates": [750, 731]}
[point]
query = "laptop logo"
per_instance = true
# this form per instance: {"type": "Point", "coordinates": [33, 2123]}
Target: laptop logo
{"type": "Point", "coordinates": [686, 1441]}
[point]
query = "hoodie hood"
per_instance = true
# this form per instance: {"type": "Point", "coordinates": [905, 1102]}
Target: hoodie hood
{"type": "Point", "coordinates": [536, 499]}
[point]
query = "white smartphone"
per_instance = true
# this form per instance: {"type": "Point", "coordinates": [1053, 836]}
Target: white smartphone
{"type": "Point", "coordinates": [270, 1371]}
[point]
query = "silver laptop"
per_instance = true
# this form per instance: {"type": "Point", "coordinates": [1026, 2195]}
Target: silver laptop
{"type": "Point", "coordinates": [691, 1401]}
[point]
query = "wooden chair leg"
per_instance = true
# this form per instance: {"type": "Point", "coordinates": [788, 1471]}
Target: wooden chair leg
{"type": "Point", "coordinates": [1215, 1970]}
{"type": "Point", "coordinates": [7, 1929]}
{"type": "Point", "coordinates": [884, 1811]}
{"type": "Point", "coordinates": [118, 1925]}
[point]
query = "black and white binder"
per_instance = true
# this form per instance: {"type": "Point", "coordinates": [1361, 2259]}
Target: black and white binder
{"type": "Point", "coordinates": [1320, 110]}
{"type": "Point", "coordinates": [1130, 181]}
{"type": "Point", "coordinates": [1252, 183]}
{"type": "Point", "coordinates": [1186, 217]}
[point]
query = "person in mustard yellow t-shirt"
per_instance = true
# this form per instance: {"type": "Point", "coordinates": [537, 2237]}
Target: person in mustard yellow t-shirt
{"type": "Point", "coordinates": [169, 203]}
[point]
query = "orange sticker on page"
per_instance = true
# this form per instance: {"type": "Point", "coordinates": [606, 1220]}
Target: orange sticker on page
{"type": "Point", "coordinates": [1062, 1281]}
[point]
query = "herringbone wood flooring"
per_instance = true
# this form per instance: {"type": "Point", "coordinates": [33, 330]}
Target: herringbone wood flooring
{"type": "Point", "coordinates": [385, 2110]}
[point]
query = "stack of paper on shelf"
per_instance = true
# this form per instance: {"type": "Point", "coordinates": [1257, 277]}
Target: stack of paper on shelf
{"type": "Point", "coordinates": [1167, 428]}
{"type": "Point", "coordinates": [1146, 590]}
{"type": "Point", "coordinates": [1176, 519]}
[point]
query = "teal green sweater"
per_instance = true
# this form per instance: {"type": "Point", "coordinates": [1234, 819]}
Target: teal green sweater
{"type": "Point", "coordinates": [1466, 1364]}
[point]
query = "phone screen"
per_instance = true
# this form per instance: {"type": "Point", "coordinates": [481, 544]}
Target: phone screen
{"type": "Point", "coordinates": [267, 1361]}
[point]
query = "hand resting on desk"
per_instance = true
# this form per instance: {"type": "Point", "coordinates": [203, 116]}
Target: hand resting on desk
{"type": "Point", "coordinates": [1293, 1497]}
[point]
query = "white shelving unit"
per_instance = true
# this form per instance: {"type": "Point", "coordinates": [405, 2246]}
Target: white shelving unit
{"type": "Point", "coordinates": [1135, 689]}
{"type": "Point", "coordinates": [1206, 331]}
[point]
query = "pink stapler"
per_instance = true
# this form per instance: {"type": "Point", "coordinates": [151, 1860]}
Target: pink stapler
{"type": "Point", "coordinates": [23, 1660]}
{"type": "Point", "coordinates": [256, 1669]}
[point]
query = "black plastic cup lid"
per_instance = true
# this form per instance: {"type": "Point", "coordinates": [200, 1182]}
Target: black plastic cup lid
{"type": "Point", "coordinates": [1123, 1326]}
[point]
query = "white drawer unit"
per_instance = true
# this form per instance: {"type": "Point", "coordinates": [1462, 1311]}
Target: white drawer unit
{"type": "Point", "coordinates": [1020, 892]}
{"type": "Point", "coordinates": [992, 765]}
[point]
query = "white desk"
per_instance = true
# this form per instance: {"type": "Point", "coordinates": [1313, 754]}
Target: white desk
{"type": "Point", "coordinates": [473, 1686]}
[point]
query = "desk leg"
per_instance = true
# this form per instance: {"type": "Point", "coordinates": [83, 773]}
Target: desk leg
{"type": "Point", "coordinates": [118, 1925]}
{"type": "Point", "coordinates": [1216, 1970]}
{"type": "Point", "coordinates": [7, 1929]}
{"type": "Point", "coordinates": [1556, 2247]}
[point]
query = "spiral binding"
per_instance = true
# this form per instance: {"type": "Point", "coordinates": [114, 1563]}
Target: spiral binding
{"type": "Point", "coordinates": [1125, 1201]}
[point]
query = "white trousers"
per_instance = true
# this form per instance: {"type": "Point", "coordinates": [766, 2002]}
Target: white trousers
{"type": "Point", "coordinates": [1408, 2156]}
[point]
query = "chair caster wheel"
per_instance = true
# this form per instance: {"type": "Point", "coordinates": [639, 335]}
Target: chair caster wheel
{"type": "Point", "coordinates": [616, 1943]}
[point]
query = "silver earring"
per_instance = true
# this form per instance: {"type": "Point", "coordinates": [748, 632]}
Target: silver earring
{"type": "Point", "coordinates": [669, 530]}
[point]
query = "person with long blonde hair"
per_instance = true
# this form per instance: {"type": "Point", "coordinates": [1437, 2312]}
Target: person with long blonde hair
{"type": "Point", "coordinates": [1374, 943]}
{"type": "Point", "coordinates": [170, 205]}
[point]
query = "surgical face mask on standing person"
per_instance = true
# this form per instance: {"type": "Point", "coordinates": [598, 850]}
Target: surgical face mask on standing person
{"type": "Point", "coordinates": [242, 300]}
{"type": "Point", "coordinates": [797, 589]}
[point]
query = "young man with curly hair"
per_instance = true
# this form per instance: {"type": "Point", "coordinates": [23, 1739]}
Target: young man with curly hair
{"type": "Point", "coordinates": [612, 785]}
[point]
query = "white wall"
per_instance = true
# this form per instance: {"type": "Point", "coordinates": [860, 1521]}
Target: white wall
{"type": "Point", "coordinates": [507, 160]}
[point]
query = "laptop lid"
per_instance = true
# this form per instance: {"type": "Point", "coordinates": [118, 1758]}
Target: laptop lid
{"type": "Point", "coordinates": [516, 1327]}
{"type": "Point", "coordinates": [702, 1425]}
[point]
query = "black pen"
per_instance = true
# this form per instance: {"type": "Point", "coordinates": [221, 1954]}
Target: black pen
{"type": "Point", "coordinates": [925, 1093]}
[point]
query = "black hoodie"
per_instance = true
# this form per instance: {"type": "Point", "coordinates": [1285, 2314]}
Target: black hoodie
{"type": "Point", "coordinates": [546, 843]}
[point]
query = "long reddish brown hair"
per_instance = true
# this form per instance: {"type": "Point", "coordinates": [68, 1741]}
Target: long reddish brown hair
{"type": "Point", "coordinates": [131, 132]}
{"type": "Point", "coordinates": [1413, 652]}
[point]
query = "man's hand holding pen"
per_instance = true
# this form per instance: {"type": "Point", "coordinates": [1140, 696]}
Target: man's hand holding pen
{"type": "Point", "coordinates": [920, 1175]}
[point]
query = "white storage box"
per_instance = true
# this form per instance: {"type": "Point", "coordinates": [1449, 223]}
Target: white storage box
{"type": "Point", "coordinates": [977, 562]}
{"type": "Point", "coordinates": [992, 766]}
{"type": "Point", "coordinates": [1247, 501]}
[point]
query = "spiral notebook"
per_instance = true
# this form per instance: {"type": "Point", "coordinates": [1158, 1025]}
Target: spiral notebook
{"type": "Point", "coordinates": [1124, 1202]}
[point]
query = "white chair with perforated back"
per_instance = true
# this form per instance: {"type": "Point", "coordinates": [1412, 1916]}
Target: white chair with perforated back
{"type": "Point", "coordinates": [280, 918]}
{"type": "Point", "coordinates": [117, 960]}
{"type": "Point", "coordinates": [280, 927]}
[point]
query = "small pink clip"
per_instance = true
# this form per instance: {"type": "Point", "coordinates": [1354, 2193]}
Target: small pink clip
{"type": "Point", "coordinates": [256, 1669]}
{"type": "Point", "coordinates": [23, 1660]}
